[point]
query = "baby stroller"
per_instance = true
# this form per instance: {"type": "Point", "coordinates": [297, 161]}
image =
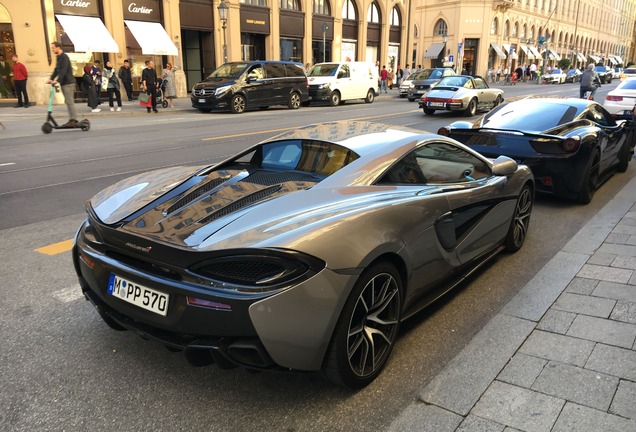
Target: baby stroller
{"type": "Point", "coordinates": [161, 101]}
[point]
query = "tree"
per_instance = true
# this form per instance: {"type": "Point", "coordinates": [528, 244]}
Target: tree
{"type": "Point", "coordinates": [564, 63]}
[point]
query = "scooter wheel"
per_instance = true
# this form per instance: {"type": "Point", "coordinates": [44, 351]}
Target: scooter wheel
{"type": "Point", "coordinates": [47, 128]}
{"type": "Point", "coordinates": [85, 125]}
{"type": "Point", "coordinates": [164, 104]}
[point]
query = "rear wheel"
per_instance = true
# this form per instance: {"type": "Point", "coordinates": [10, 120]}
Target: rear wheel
{"type": "Point", "coordinates": [590, 181]}
{"type": "Point", "coordinates": [237, 106]}
{"type": "Point", "coordinates": [428, 111]}
{"type": "Point", "coordinates": [520, 220]}
{"type": "Point", "coordinates": [367, 328]}
{"type": "Point", "coordinates": [334, 98]}
{"type": "Point", "coordinates": [411, 99]}
{"type": "Point", "coordinates": [294, 101]}
{"type": "Point", "coordinates": [625, 154]}
{"type": "Point", "coordinates": [472, 108]}
{"type": "Point", "coordinates": [370, 96]}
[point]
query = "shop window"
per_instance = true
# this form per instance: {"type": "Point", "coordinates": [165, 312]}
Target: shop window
{"type": "Point", "coordinates": [291, 49]}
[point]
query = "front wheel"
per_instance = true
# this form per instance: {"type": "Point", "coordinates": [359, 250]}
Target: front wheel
{"type": "Point", "coordinates": [520, 220]}
{"type": "Point", "coordinates": [334, 99]}
{"type": "Point", "coordinates": [85, 125]}
{"type": "Point", "coordinates": [497, 102]}
{"type": "Point", "coordinates": [370, 96]}
{"type": "Point", "coordinates": [367, 328]}
{"type": "Point", "coordinates": [294, 101]}
{"type": "Point", "coordinates": [47, 128]}
{"type": "Point", "coordinates": [164, 104]}
{"type": "Point", "coordinates": [238, 103]}
{"type": "Point", "coordinates": [472, 108]}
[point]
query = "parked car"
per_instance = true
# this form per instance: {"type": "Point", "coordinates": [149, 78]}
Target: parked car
{"type": "Point", "coordinates": [573, 75]}
{"type": "Point", "coordinates": [339, 82]}
{"type": "Point", "coordinates": [622, 99]}
{"type": "Point", "coordinates": [238, 86]}
{"type": "Point", "coordinates": [554, 77]}
{"type": "Point", "coordinates": [303, 252]}
{"type": "Point", "coordinates": [605, 73]}
{"type": "Point", "coordinates": [617, 72]}
{"type": "Point", "coordinates": [424, 80]}
{"type": "Point", "coordinates": [461, 93]}
{"type": "Point", "coordinates": [571, 145]}
{"type": "Point", "coordinates": [628, 72]}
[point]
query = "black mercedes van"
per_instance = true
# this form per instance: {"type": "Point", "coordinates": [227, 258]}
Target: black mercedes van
{"type": "Point", "coordinates": [238, 86]}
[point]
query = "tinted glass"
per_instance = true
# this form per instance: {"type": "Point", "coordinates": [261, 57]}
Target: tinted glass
{"type": "Point", "coordinates": [305, 155]}
{"type": "Point", "coordinates": [327, 69]}
{"type": "Point", "coordinates": [453, 82]}
{"type": "Point", "coordinates": [275, 70]}
{"type": "Point", "coordinates": [530, 116]}
{"type": "Point", "coordinates": [344, 72]}
{"type": "Point", "coordinates": [294, 70]}
{"type": "Point", "coordinates": [229, 70]}
{"type": "Point", "coordinates": [629, 71]}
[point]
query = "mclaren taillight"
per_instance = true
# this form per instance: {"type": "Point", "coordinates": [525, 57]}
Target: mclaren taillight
{"type": "Point", "coordinates": [444, 131]}
{"type": "Point", "coordinates": [613, 98]}
{"type": "Point", "coordinates": [571, 144]}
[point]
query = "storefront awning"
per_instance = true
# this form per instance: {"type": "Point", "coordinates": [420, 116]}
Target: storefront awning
{"type": "Point", "coordinates": [434, 50]}
{"type": "Point", "coordinates": [527, 52]}
{"type": "Point", "coordinates": [581, 57]}
{"type": "Point", "coordinates": [88, 34]}
{"type": "Point", "coordinates": [594, 58]}
{"type": "Point", "coordinates": [612, 60]}
{"type": "Point", "coordinates": [535, 52]}
{"type": "Point", "coordinates": [510, 51]}
{"type": "Point", "coordinates": [152, 38]}
{"type": "Point", "coordinates": [498, 50]}
{"type": "Point", "coordinates": [552, 53]}
{"type": "Point", "coordinates": [619, 59]}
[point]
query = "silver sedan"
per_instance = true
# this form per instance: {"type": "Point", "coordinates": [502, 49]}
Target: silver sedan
{"type": "Point", "coordinates": [461, 93]}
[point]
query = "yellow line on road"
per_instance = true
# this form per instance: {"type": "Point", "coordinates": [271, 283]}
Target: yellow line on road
{"type": "Point", "coordinates": [293, 127]}
{"type": "Point", "coordinates": [56, 248]}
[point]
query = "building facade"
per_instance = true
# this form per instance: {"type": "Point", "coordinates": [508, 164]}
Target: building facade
{"type": "Point", "coordinates": [473, 35]}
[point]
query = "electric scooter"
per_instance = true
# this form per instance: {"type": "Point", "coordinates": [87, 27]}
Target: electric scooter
{"type": "Point", "coordinates": [51, 124]}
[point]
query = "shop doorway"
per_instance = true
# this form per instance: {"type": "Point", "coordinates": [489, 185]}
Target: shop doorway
{"type": "Point", "coordinates": [252, 46]}
{"type": "Point", "coordinates": [198, 55]}
{"type": "Point", "coordinates": [7, 49]}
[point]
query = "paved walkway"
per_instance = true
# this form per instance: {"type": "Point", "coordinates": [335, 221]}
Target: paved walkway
{"type": "Point", "coordinates": [561, 356]}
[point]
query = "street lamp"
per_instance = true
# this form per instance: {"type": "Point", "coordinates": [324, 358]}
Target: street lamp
{"type": "Point", "coordinates": [223, 8]}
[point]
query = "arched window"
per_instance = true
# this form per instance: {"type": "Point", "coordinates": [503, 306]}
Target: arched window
{"type": "Point", "coordinates": [254, 2]}
{"type": "Point", "coordinates": [349, 10]}
{"type": "Point", "coordinates": [290, 4]}
{"type": "Point", "coordinates": [373, 15]}
{"type": "Point", "coordinates": [395, 16]}
{"type": "Point", "coordinates": [440, 28]}
{"type": "Point", "coordinates": [416, 30]}
{"type": "Point", "coordinates": [494, 26]}
{"type": "Point", "coordinates": [531, 34]}
{"type": "Point", "coordinates": [524, 30]}
{"type": "Point", "coordinates": [321, 7]}
{"type": "Point", "coordinates": [515, 30]}
{"type": "Point", "coordinates": [507, 29]}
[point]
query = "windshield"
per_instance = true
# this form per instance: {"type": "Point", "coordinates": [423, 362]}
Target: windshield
{"type": "Point", "coordinates": [538, 116]}
{"type": "Point", "coordinates": [600, 69]}
{"type": "Point", "coordinates": [229, 70]}
{"type": "Point", "coordinates": [453, 82]}
{"type": "Point", "coordinates": [310, 156]}
{"type": "Point", "coordinates": [628, 84]}
{"type": "Point", "coordinates": [327, 69]}
{"type": "Point", "coordinates": [428, 73]}
{"type": "Point", "coordinates": [629, 71]}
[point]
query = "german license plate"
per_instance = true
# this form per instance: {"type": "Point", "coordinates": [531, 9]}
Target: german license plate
{"type": "Point", "coordinates": [139, 295]}
{"type": "Point", "coordinates": [201, 100]}
{"type": "Point", "coordinates": [436, 104]}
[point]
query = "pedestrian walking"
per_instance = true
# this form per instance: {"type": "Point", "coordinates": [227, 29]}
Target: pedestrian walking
{"type": "Point", "coordinates": [149, 83]}
{"type": "Point", "coordinates": [113, 86]}
{"type": "Point", "coordinates": [63, 75]}
{"type": "Point", "coordinates": [125, 75]}
{"type": "Point", "coordinates": [170, 91]}
{"type": "Point", "coordinates": [399, 75]}
{"type": "Point", "coordinates": [5, 77]}
{"type": "Point", "coordinates": [384, 76]}
{"type": "Point", "coordinates": [88, 88]}
{"type": "Point", "coordinates": [20, 80]}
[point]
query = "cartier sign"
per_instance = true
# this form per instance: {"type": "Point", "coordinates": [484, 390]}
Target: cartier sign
{"type": "Point", "coordinates": [77, 7]}
{"type": "Point", "coordinates": [142, 10]}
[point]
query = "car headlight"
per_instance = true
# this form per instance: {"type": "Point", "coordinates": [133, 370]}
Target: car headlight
{"type": "Point", "coordinates": [258, 270]}
{"type": "Point", "coordinates": [323, 86]}
{"type": "Point", "coordinates": [411, 85]}
{"type": "Point", "coordinates": [221, 90]}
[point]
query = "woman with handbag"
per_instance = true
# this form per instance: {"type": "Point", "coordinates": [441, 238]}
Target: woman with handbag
{"type": "Point", "coordinates": [170, 91]}
{"type": "Point", "coordinates": [112, 86]}
{"type": "Point", "coordinates": [88, 87]}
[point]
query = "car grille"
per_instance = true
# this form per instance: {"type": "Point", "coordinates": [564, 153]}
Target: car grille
{"type": "Point", "coordinates": [195, 194]}
{"type": "Point", "coordinates": [422, 87]}
{"type": "Point", "coordinates": [269, 178]}
{"type": "Point", "coordinates": [203, 92]}
{"type": "Point", "coordinates": [241, 203]}
{"type": "Point", "coordinates": [245, 272]}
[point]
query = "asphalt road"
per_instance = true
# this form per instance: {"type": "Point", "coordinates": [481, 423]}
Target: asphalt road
{"type": "Point", "coordinates": [62, 368]}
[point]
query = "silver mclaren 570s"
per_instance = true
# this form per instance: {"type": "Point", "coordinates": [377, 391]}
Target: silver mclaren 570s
{"type": "Point", "coordinates": [303, 252]}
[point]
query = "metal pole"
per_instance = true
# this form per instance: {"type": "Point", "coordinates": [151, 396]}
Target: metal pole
{"type": "Point", "coordinates": [224, 44]}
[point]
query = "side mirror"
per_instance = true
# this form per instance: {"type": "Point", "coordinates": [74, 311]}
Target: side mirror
{"type": "Point", "coordinates": [504, 166]}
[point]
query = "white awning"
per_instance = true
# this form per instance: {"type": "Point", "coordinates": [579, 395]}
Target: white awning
{"type": "Point", "coordinates": [498, 50]}
{"type": "Point", "coordinates": [552, 53]}
{"type": "Point", "coordinates": [535, 52]}
{"type": "Point", "coordinates": [581, 57]}
{"type": "Point", "coordinates": [434, 50]}
{"type": "Point", "coordinates": [612, 60]}
{"type": "Point", "coordinates": [527, 51]}
{"type": "Point", "coordinates": [594, 58]}
{"type": "Point", "coordinates": [510, 51]}
{"type": "Point", "coordinates": [152, 38]}
{"type": "Point", "coordinates": [619, 59]}
{"type": "Point", "coordinates": [88, 34]}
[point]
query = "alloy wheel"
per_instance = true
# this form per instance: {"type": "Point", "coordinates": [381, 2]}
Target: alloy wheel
{"type": "Point", "coordinates": [522, 216]}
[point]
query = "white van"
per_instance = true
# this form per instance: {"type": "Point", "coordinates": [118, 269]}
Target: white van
{"type": "Point", "coordinates": [337, 82]}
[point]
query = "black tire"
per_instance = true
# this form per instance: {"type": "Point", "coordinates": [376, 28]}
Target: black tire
{"type": "Point", "coordinates": [625, 154]}
{"type": "Point", "coordinates": [590, 181]}
{"type": "Point", "coordinates": [370, 96]}
{"type": "Point", "coordinates": [471, 110]}
{"type": "Point", "coordinates": [294, 100]}
{"type": "Point", "coordinates": [47, 128]}
{"type": "Point", "coordinates": [375, 304]}
{"type": "Point", "coordinates": [411, 100]}
{"type": "Point", "coordinates": [497, 102]}
{"type": "Point", "coordinates": [520, 220]}
{"type": "Point", "coordinates": [428, 111]}
{"type": "Point", "coordinates": [86, 126]}
{"type": "Point", "coordinates": [238, 103]}
{"type": "Point", "coordinates": [164, 104]}
{"type": "Point", "coordinates": [334, 98]}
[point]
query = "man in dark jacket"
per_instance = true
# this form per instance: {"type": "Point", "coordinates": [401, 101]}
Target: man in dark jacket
{"type": "Point", "coordinates": [149, 83]}
{"type": "Point", "coordinates": [125, 76]}
{"type": "Point", "coordinates": [63, 74]}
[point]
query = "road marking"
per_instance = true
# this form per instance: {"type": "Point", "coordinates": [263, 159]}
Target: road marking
{"type": "Point", "coordinates": [56, 248]}
{"type": "Point", "coordinates": [68, 295]}
{"type": "Point", "coordinates": [7, 164]}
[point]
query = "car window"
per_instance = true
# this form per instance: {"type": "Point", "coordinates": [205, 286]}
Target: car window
{"type": "Point", "coordinates": [327, 69]}
{"type": "Point", "coordinates": [480, 83]}
{"type": "Point", "coordinates": [436, 74]}
{"type": "Point", "coordinates": [229, 70]}
{"type": "Point", "coordinates": [598, 114]}
{"type": "Point", "coordinates": [294, 70]}
{"type": "Point", "coordinates": [627, 85]}
{"type": "Point", "coordinates": [538, 116]}
{"type": "Point", "coordinates": [344, 71]}
{"type": "Point", "coordinates": [448, 72]}
{"type": "Point", "coordinates": [437, 163]}
{"type": "Point", "coordinates": [256, 73]}
{"type": "Point", "coordinates": [306, 155]}
{"type": "Point", "coordinates": [629, 71]}
{"type": "Point", "coordinates": [275, 70]}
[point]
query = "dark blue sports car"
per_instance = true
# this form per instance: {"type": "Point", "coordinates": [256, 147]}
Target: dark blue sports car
{"type": "Point", "coordinates": [571, 145]}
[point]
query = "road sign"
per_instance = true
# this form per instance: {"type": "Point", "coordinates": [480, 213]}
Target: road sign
{"type": "Point", "coordinates": [451, 58]}
{"type": "Point", "coordinates": [459, 47]}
